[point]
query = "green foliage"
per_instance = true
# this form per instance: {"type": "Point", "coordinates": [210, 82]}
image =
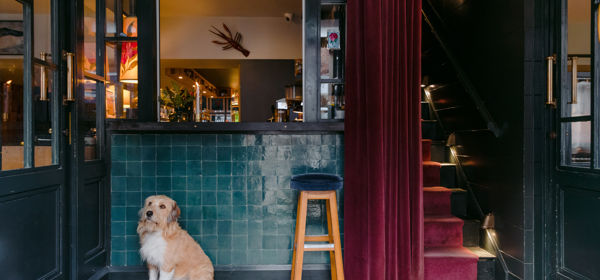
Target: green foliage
{"type": "Point", "coordinates": [179, 100]}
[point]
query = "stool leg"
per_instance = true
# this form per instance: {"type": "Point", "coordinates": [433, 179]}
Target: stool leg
{"type": "Point", "coordinates": [335, 228]}
{"type": "Point", "coordinates": [330, 233]}
{"type": "Point", "coordinates": [298, 258]}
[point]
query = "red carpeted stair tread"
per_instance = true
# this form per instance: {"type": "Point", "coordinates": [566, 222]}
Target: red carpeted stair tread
{"type": "Point", "coordinates": [431, 173]}
{"type": "Point", "coordinates": [436, 200]}
{"type": "Point", "coordinates": [443, 231]}
{"type": "Point", "coordinates": [450, 263]}
{"type": "Point", "coordinates": [426, 149]}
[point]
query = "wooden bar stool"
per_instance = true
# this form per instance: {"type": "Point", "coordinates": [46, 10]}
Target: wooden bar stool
{"type": "Point", "coordinates": [317, 186]}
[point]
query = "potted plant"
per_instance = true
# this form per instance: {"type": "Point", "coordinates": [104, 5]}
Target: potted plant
{"type": "Point", "coordinates": [180, 102]}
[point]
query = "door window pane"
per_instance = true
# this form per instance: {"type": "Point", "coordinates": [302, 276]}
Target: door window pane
{"type": "Point", "coordinates": [576, 140]}
{"type": "Point", "coordinates": [11, 80]}
{"type": "Point", "coordinates": [332, 36]}
{"type": "Point", "coordinates": [332, 102]}
{"type": "Point", "coordinates": [42, 116]}
{"type": "Point", "coordinates": [122, 76]}
{"type": "Point", "coordinates": [127, 20]}
{"type": "Point", "coordinates": [88, 120]}
{"type": "Point", "coordinates": [575, 94]}
{"type": "Point", "coordinates": [89, 36]}
{"type": "Point", "coordinates": [42, 27]}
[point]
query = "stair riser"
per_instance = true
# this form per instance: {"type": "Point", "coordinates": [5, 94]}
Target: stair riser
{"type": "Point", "coordinates": [448, 176]}
{"type": "Point", "coordinates": [471, 233]}
{"type": "Point", "coordinates": [431, 175]}
{"type": "Point", "coordinates": [449, 269]}
{"type": "Point", "coordinates": [426, 111]}
{"type": "Point", "coordinates": [431, 130]}
{"type": "Point", "coordinates": [439, 152]}
{"type": "Point", "coordinates": [443, 234]}
{"type": "Point", "coordinates": [436, 203]}
{"type": "Point", "coordinates": [458, 202]}
{"type": "Point", "coordinates": [486, 269]}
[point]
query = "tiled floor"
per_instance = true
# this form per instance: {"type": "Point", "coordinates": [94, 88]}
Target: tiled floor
{"type": "Point", "coordinates": [237, 275]}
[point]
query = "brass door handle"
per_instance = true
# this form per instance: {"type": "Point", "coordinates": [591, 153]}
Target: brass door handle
{"type": "Point", "coordinates": [70, 65]}
{"type": "Point", "coordinates": [550, 86]}
{"type": "Point", "coordinates": [573, 80]}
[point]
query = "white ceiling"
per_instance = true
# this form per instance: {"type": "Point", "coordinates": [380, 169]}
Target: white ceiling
{"type": "Point", "coordinates": [230, 8]}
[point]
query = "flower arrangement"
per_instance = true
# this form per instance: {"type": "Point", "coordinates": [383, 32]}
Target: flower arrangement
{"type": "Point", "coordinates": [179, 101]}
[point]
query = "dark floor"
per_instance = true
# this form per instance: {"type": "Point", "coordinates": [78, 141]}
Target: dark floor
{"type": "Point", "coordinates": [227, 275]}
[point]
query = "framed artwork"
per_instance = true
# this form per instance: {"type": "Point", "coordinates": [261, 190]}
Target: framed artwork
{"type": "Point", "coordinates": [11, 37]}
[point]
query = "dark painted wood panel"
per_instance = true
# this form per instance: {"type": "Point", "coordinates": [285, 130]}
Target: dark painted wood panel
{"type": "Point", "coordinates": [91, 218]}
{"type": "Point", "coordinates": [580, 231]}
{"type": "Point", "coordinates": [30, 234]}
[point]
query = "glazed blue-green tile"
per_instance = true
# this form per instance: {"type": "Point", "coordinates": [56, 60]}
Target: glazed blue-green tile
{"type": "Point", "coordinates": [313, 153]}
{"type": "Point", "coordinates": [254, 153]}
{"type": "Point", "coordinates": [179, 140]}
{"type": "Point", "coordinates": [118, 184]}
{"type": "Point", "coordinates": [254, 197]}
{"type": "Point", "coordinates": [224, 212]}
{"type": "Point", "coordinates": [118, 169]}
{"type": "Point", "coordinates": [163, 168]}
{"type": "Point", "coordinates": [148, 184]}
{"type": "Point", "coordinates": [209, 168]}
{"type": "Point", "coordinates": [209, 227]}
{"type": "Point", "coordinates": [131, 227]}
{"type": "Point", "coordinates": [117, 214]}
{"type": "Point", "coordinates": [223, 168]}
{"type": "Point", "coordinates": [194, 212]}
{"type": "Point", "coordinates": [240, 227]}
{"type": "Point", "coordinates": [118, 154]}
{"type": "Point", "coordinates": [134, 168]}
{"type": "Point", "coordinates": [328, 152]}
{"type": "Point", "coordinates": [239, 198]}
{"type": "Point", "coordinates": [240, 212]}
{"type": "Point", "coordinates": [209, 183]}
{"type": "Point", "coordinates": [328, 139]}
{"type": "Point", "coordinates": [223, 197]}
{"type": "Point", "coordinates": [223, 257]}
{"type": "Point", "coordinates": [179, 196]}
{"type": "Point", "coordinates": [327, 166]}
{"type": "Point", "coordinates": [297, 167]}
{"type": "Point", "coordinates": [133, 258]}
{"type": "Point", "coordinates": [224, 140]}
{"type": "Point", "coordinates": [209, 140]}
{"type": "Point", "coordinates": [238, 168]}
{"type": "Point", "coordinates": [239, 154]}
{"type": "Point", "coordinates": [119, 140]}
{"type": "Point", "coordinates": [209, 153]}
{"type": "Point", "coordinates": [283, 168]}
{"type": "Point", "coordinates": [270, 152]}
{"type": "Point", "coordinates": [119, 199]}
{"type": "Point", "coordinates": [194, 198]}
{"type": "Point", "coordinates": [286, 226]}
{"type": "Point", "coordinates": [209, 242]}
{"type": "Point", "coordinates": [269, 227]}
{"type": "Point", "coordinates": [270, 183]}
{"type": "Point", "coordinates": [132, 242]}
{"type": "Point", "coordinates": [269, 241]}
{"type": "Point", "coordinates": [254, 212]}
{"type": "Point", "coordinates": [238, 183]}
{"type": "Point", "coordinates": [117, 229]}
{"type": "Point", "coordinates": [134, 153]}
{"type": "Point", "coordinates": [254, 256]}
{"type": "Point", "coordinates": [240, 243]}
{"type": "Point", "coordinates": [163, 140]}
{"type": "Point", "coordinates": [178, 168]}
{"type": "Point", "coordinates": [223, 182]}
{"type": "Point", "coordinates": [118, 258]}
{"type": "Point", "coordinates": [255, 241]}
{"type": "Point", "coordinates": [194, 183]}
{"type": "Point", "coordinates": [163, 184]}
{"type": "Point", "coordinates": [163, 153]}
{"type": "Point", "coordinates": [270, 257]}
{"type": "Point", "coordinates": [209, 198]}
{"type": "Point", "coordinates": [237, 140]}
{"type": "Point", "coordinates": [179, 153]}
{"type": "Point", "coordinates": [148, 140]}
{"type": "Point", "coordinates": [286, 197]}
{"type": "Point", "coordinates": [224, 153]}
{"type": "Point", "coordinates": [194, 140]}
{"type": "Point", "coordinates": [146, 194]}
{"type": "Point", "coordinates": [283, 242]}
{"type": "Point", "coordinates": [134, 184]}
{"type": "Point", "coordinates": [149, 168]}
{"type": "Point", "coordinates": [118, 242]}
{"type": "Point", "coordinates": [239, 257]}
{"type": "Point", "coordinates": [284, 153]}
{"type": "Point", "coordinates": [209, 212]}
{"type": "Point", "coordinates": [194, 167]}
{"type": "Point", "coordinates": [224, 228]}
{"type": "Point", "coordinates": [194, 153]}
{"type": "Point", "coordinates": [194, 227]}
{"type": "Point", "coordinates": [254, 183]}
{"type": "Point", "coordinates": [132, 211]}
{"type": "Point", "coordinates": [284, 256]}
{"type": "Point", "coordinates": [133, 140]}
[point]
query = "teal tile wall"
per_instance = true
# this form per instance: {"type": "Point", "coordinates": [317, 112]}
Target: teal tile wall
{"type": "Point", "coordinates": [233, 190]}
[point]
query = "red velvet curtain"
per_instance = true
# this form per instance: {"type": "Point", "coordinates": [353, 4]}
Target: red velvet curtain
{"type": "Point", "coordinates": [383, 218]}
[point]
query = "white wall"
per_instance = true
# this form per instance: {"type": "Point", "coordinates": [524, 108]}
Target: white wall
{"type": "Point", "coordinates": [265, 38]}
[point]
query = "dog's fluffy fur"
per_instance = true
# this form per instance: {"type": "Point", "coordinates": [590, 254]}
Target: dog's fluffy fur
{"type": "Point", "coordinates": [166, 247]}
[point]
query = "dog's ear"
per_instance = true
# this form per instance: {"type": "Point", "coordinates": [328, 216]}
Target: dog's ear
{"type": "Point", "coordinates": [175, 212]}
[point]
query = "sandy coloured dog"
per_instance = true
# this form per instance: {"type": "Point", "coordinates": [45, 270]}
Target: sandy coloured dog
{"type": "Point", "coordinates": [166, 247]}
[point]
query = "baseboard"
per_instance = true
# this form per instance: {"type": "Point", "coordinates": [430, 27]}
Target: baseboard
{"type": "Point", "coordinates": [268, 267]}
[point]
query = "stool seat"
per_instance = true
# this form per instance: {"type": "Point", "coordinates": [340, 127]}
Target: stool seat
{"type": "Point", "coordinates": [316, 182]}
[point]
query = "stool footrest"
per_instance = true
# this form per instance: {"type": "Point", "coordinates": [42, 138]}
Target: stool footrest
{"type": "Point", "coordinates": [316, 238]}
{"type": "Point", "coordinates": [319, 247]}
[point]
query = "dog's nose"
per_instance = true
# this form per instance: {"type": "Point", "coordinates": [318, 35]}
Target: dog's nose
{"type": "Point", "coordinates": [149, 213]}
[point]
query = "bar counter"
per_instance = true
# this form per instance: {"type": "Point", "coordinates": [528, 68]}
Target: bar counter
{"type": "Point", "coordinates": [231, 180]}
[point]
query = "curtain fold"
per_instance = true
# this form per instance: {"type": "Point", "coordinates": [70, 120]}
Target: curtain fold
{"type": "Point", "coordinates": [383, 218]}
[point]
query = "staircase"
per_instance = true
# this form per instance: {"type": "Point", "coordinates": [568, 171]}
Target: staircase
{"type": "Point", "coordinates": [452, 249]}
